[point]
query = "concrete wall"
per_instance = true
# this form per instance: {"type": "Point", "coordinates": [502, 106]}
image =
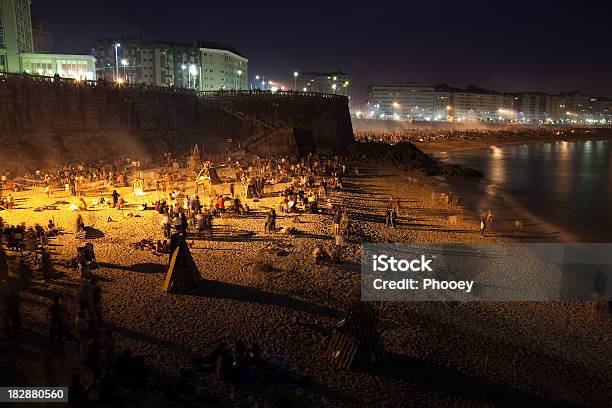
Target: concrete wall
{"type": "Point", "coordinates": [327, 116]}
{"type": "Point", "coordinates": [52, 122]}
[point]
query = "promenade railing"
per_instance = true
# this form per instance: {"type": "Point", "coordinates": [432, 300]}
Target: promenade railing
{"type": "Point", "coordinates": [59, 81]}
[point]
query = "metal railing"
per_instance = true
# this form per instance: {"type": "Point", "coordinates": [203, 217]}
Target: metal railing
{"type": "Point", "coordinates": [59, 81]}
{"type": "Point", "coordinates": [259, 92]}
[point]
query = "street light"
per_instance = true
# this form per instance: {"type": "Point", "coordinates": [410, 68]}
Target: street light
{"type": "Point", "coordinates": [295, 75]}
{"type": "Point", "coordinates": [124, 62]}
{"type": "Point", "coordinates": [117, 45]}
{"type": "Point", "coordinates": [238, 74]}
{"type": "Point", "coordinates": [183, 68]}
{"type": "Point", "coordinates": [193, 70]}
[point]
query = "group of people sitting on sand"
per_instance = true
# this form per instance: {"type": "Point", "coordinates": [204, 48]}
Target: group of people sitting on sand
{"type": "Point", "coordinates": [20, 237]}
{"type": "Point", "coordinates": [238, 365]}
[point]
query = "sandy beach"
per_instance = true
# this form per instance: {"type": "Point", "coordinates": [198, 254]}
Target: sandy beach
{"type": "Point", "coordinates": [463, 354]}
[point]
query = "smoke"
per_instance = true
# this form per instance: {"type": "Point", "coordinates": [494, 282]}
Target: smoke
{"type": "Point", "coordinates": [387, 126]}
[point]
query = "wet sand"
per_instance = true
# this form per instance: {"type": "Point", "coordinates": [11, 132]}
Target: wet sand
{"type": "Point", "coordinates": [485, 195]}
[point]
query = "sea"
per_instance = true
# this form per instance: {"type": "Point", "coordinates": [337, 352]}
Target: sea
{"type": "Point", "coordinates": [565, 184]}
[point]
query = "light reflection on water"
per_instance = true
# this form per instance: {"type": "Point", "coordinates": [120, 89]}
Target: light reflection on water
{"type": "Point", "coordinates": [565, 183]}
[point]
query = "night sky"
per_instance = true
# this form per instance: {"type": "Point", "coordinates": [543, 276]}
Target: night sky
{"type": "Point", "coordinates": [542, 45]}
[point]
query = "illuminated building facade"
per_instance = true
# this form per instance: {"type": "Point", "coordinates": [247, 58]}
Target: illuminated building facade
{"type": "Point", "coordinates": [408, 101]}
{"type": "Point", "coordinates": [603, 110]}
{"type": "Point", "coordinates": [337, 82]}
{"type": "Point", "coordinates": [15, 33]}
{"type": "Point", "coordinates": [572, 107]}
{"type": "Point", "coordinates": [202, 66]}
{"type": "Point", "coordinates": [17, 45]}
{"type": "Point", "coordinates": [532, 107]}
{"type": "Point", "coordinates": [439, 103]}
{"type": "Point", "coordinates": [82, 67]}
{"type": "Point", "coordinates": [477, 105]}
{"type": "Point", "coordinates": [222, 67]}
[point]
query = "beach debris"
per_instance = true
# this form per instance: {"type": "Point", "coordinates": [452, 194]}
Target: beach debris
{"type": "Point", "coordinates": [144, 245]}
{"type": "Point", "coordinates": [278, 249]}
{"type": "Point", "coordinates": [46, 207]}
{"type": "Point", "coordinates": [288, 230]}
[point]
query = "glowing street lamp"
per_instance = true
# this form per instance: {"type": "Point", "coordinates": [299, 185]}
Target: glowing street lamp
{"type": "Point", "coordinates": [183, 68]}
{"type": "Point", "coordinates": [334, 86]}
{"type": "Point", "coordinates": [124, 63]}
{"type": "Point", "coordinates": [193, 70]}
{"type": "Point", "coordinates": [117, 45]}
{"type": "Point", "coordinates": [295, 75]}
{"type": "Point", "coordinates": [396, 106]}
{"type": "Point", "coordinates": [238, 74]}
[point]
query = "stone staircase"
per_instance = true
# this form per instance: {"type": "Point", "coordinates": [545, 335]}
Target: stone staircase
{"type": "Point", "coordinates": [268, 128]}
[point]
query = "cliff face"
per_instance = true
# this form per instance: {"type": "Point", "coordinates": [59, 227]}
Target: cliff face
{"type": "Point", "coordinates": [54, 121]}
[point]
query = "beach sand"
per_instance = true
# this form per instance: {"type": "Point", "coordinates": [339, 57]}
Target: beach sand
{"type": "Point", "coordinates": [440, 354]}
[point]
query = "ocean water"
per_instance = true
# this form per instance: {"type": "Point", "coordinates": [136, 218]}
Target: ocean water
{"type": "Point", "coordinates": [565, 183]}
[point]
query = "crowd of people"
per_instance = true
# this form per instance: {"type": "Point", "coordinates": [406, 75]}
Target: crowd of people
{"type": "Point", "coordinates": [74, 318]}
{"type": "Point", "coordinates": [307, 184]}
{"type": "Point", "coordinates": [428, 134]}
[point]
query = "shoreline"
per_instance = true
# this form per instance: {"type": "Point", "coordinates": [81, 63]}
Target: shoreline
{"type": "Point", "coordinates": [506, 209]}
{"type": "Point", "coordinates": [433, 148]}
{"type": "Point", "coordinates": [482, 186]}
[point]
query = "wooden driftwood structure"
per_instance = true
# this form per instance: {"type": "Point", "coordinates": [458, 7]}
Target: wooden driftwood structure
{"type": "Point", "coordinates": [182, 271]}
{"type": "Point", "coordinates": [194, 160]}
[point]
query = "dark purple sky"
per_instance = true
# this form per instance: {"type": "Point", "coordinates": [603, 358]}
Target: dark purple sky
{"type": "Point", "coordinates": [511, 45]}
